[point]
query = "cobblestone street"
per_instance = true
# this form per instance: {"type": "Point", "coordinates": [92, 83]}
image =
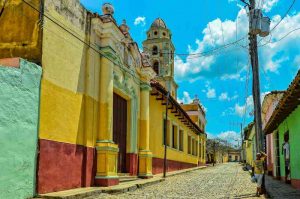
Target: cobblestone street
{"type": "Point", "coordinates": [223, 181]}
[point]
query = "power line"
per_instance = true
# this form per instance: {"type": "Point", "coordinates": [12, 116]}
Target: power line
{"type": "Point", "coordinates": [284, 15]}
{"type": "Point", "coordinates": [2, 9]}
{"type": "Point", "coordinates": [82, 41]}
{"type": "Point", "coordinates": [272, 42]}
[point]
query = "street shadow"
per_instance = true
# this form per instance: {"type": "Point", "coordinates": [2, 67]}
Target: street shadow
{"type": "Point", "coordinates": [250, 195]}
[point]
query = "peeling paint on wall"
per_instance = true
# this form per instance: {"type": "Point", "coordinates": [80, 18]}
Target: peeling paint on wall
{"type": "Point", "coordinates": [19, 115]}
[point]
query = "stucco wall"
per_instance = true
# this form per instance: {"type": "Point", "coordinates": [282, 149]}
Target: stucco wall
{"type": "Point", "coordinates": [20, 23]}
{"type": "Point", "coordinates": [291, 124]}
{"type": "Point", "coordinates": [19, 112]}
{"type": "Point", "coordinates": [69, 99]}
{"type": "Point", "coordinates": [156, 135]}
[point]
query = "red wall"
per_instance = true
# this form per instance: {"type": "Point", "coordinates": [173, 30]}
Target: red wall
{"type": "Point", "coordinates": [132, 163]}
{"type": "Point", "coordinates": [157, 165]}
{"type": "Point", "coordinates": [64, 166]}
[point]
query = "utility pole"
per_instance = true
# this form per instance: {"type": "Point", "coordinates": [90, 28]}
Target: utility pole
{"type": "Point", "coordinates": [165, 137]}
{"type": "Point", "coordinates": [256, 84]}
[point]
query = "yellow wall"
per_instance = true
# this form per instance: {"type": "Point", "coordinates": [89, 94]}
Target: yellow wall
{"type": "Point", "coordinates": [70, 83]}
{"type": "Point", "coordinates": [250, 146]}
{"type": "Point", "coordinates": [156, 134]}
{"type": "Point", "coordinates": [20, 32]}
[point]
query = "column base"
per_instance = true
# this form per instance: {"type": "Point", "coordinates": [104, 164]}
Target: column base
{"type": "Point", "coordinates": [107, 160]}
{"type": "Point", "coordinates": [106, 182]}
{"type": "Point", "coordinates": [145, 164]}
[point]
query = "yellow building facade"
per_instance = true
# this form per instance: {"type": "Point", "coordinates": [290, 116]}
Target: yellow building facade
{"type": "Point", "coordinates": [250, 144]}
{"type": "Point", "coordinates": [103, 102]}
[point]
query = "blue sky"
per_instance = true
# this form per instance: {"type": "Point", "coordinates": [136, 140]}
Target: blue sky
{"type": "Point", "coordinates": [219, 79]}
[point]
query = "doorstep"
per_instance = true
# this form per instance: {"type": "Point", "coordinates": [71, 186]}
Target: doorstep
{"type": "Point", "coordinates": [79, 193]}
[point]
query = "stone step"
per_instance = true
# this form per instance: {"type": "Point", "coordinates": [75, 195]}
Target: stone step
{"type": "Point", "coordinates": [123, 174]}
{"type": "Point", "coordinates": [127, 178]}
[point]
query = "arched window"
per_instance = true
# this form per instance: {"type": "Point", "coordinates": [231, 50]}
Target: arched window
{"type": "Point", "coordinates": [156, 67]}
{"type": "Point", "coordinates": [154, 50]}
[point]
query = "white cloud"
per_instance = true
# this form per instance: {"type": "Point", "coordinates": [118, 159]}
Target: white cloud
{"type": "Point", "coordinates": [204, 108]}
{"type": "Point", "coordinates": [211, 93]}
{"type": "Point", "coordinates": [231, 76]}
{"type": "Point", "coordinates": [140, 20]}
{"type": "Point", "coordinates": [210, 135]}
{"type": "Point", "coordinates": [223, 96]}
{"type": "Point", "coordinates": [276, 54]}
{"type": "Point", "coordinates": [248, 107]}
{"type": "Point", "coordinates": [219, 63]}
{"type": "Point", "coordinates": [267, 5]}
{"type": "Point", "coordinates": [231, 137]}
{"type": "Point", "coordinates": [228, 63]}
{"type": "Point", "coordinates": [186, 99]}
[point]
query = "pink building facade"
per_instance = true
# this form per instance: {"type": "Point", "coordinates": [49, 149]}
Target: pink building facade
{"type": "Point", "coordinates": [268, 106]}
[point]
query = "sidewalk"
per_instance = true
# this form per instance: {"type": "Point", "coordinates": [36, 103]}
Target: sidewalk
{"type": "Point", "coordinates": [278, 189]}
{"type": "Point", "coordinates": [120, 188]}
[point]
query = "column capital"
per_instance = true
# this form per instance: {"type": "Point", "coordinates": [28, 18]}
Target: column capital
{"type": "Point", "coordinates": [145, 86]}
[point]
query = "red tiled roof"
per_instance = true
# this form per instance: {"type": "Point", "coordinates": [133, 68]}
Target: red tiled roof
{"type": "Point", "coordinates": [174, 102]}
{"type": "Point", "coordinates": [288, 103]}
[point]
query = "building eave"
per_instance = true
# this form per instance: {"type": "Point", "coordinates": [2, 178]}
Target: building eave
{"type": "Point", "coordinates": [158, 89]}
{"type": "Point", "coordinates": [287, 104]}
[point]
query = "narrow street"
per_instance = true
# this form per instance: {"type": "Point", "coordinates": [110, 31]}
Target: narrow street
{"type": "Point", "coordinates": [222, 181]}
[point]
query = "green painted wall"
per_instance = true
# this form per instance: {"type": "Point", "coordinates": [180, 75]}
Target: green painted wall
{"type": "Point", "coordinates": [291, 123]}
{"type": "Point", "coordinates": [19, 113]}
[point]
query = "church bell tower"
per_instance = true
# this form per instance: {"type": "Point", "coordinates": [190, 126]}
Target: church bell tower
{"type": "Point", "coordinates": [160, 48]}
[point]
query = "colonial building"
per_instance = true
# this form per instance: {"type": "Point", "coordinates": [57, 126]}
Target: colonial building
{"type": "Point", "coordinates": [272, 142]}
{"type": "Point", "coordinates": [197, 113]}
{"type": "Point", "coordinates": [234, 155]}
{"type": "Point", "coordinates": [249, 141]}
{"type": "Point", "coordinates": [103, 102]}
{"type": "Point", "coordinates": [284, 125]}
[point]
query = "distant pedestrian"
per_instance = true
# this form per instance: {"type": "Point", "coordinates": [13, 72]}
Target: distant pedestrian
{"type": "Point", "coordinates": [258, 171]}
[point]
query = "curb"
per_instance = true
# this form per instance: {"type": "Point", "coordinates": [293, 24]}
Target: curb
{"type": "Point", "coordinates": [80, 193]}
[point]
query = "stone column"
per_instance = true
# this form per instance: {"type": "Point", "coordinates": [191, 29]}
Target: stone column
{"type": "Point", "coordinates": [107, 151]}
{"type": "Point", "coordinates": [145, 155]}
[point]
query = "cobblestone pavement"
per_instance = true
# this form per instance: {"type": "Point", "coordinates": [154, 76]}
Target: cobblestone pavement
{"type": "Point", "coordinates": [222, 181]}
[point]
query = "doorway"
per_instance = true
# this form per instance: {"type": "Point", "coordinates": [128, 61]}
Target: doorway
{"type": "Point", "coordinates": [277, 155]}
{"type": "Point", "coordinates": [286, 155]}
{"type": "Point", "coordinates": [120, 130]}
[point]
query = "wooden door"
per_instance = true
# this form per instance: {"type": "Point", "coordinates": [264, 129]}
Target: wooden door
{"type": "Point", "coordinates": [120, 130]}
{"type": "Point", "coordinates": [277, 155]}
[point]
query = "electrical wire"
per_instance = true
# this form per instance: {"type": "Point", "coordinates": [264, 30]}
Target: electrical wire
{"type": "Point", "coordinates": [289, 9]}
{"type": "Point", "coordinates": [3, 7]}
{"type": "Point", "coordinates": [246, 90]}
{"type": "Point", "coordinates": [92, 46]}
{"type": "Point", "coordinates": [270, 42]}
{"type": "Point", "coordinates": [285, 14]}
